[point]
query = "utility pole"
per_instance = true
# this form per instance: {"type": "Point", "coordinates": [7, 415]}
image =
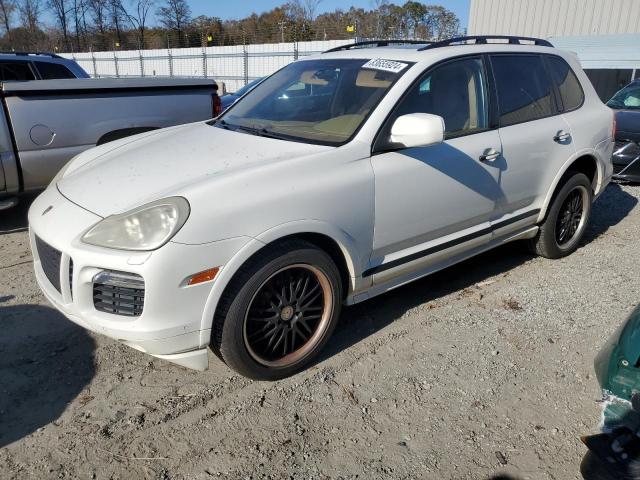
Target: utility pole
{"type": "Point", "coordinates": [282, 24]}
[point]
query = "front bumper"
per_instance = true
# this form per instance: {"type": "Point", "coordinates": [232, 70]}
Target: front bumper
{"type": "Point", "coordinates": [172, 325]}
{"type": "Point", "coordinates": [626, 161]}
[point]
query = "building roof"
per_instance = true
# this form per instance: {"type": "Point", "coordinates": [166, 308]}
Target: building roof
{"type": "Point", "coordinates": [620, 51]}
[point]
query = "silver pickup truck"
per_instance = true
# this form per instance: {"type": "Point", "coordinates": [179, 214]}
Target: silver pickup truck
{"type": "Point", "coordinates": [45, 123]}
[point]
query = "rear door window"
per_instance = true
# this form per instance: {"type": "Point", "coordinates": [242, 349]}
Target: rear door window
{"type": "Point", "coordinates": [524, 88]}
{"type": "Point", "coordinates": [50, 71]}
{"type": "Point", "coordinates": [571, 92]}
{"type": "Point", "coordinates": [15, 71]}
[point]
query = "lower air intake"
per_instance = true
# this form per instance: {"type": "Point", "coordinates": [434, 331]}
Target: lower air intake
{"type": "Point", "coordinates": [118, 293]}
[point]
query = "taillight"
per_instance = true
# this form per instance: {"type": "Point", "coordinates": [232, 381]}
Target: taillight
{"type": "Point", "coordinates": [216, 105]}
{"type": "Point", "coordinates": [614, 129]}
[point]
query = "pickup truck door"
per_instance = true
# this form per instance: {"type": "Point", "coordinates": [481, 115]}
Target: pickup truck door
{"type": "Point", "coordinates": [437, 200]}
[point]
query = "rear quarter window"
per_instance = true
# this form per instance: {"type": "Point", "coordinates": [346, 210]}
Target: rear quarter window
{"type": "Point", "coordinates": [571, 92]}
{"type": "Point", "coordinates": [51, 71]}
{"type": "Point", "coordinates": [524, 88]}
{"type": "Point", "coordinates": [15, 71]}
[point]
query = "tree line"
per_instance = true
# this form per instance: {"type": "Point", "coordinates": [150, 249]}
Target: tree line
{"type": "Point", "coordinates": [98, 25]}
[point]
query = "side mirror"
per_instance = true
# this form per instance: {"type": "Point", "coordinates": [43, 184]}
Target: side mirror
{"type": "Point", "coordinates": [417, 130]}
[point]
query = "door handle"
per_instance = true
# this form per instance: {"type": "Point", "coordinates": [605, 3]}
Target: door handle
{"type": "Point", "coordinates": [561, 136]}
{"type": "Point", "coordinates": [489, 155]}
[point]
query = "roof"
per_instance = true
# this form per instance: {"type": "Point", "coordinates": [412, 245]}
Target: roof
{"type": "Point", "coordinates": [620, 51]}
{"type": "Point", "coordinates": [417, 54]}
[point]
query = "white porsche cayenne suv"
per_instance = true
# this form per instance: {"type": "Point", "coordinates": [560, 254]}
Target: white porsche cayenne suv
{"type": "Point", "coordinates": [338, 178]}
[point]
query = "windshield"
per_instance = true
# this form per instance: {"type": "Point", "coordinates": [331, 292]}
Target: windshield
{"type": "Point", "coordinates": [314, 101]}
{"type": "Point", "coordinates": [627, 98]}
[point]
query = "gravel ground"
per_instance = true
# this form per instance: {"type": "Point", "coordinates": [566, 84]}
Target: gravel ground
{"type": "Point", "coordinates": [481, 371]}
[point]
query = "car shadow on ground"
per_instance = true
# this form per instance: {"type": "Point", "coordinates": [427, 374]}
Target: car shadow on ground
{"type": "Point", "coordinates": [14, 220]}
{"type": "Point", "coordinates": [45, 362]}
{"type": "Point", "coordinates": [362, 320]}
{"type": "Point", "coordinates": [610, 209]}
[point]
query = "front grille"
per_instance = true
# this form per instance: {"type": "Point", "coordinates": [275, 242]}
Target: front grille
{"type": "Point", "coordinates": [118, 293]}
{"type": "Point", "coordinates": [50, 259]}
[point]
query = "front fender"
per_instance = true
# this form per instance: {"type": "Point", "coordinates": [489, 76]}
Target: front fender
{"type": "Point", "coordinates": [355, 261]}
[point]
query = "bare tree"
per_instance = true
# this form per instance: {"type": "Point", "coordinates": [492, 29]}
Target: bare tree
{"type": "Point", "coordinates": [60, 10]}
{"type": "Point", "coordinates": [140, 16]}
{"type": "Point", "coordinates": [99, 11]}
{"type": "Point", "coordinates": [30, 11]}
{"type": "Point", "coordinates": [7, 7]}
{"type": "Point", "coordinates": [118, 16]}
{"type": "Point", "coordinates": [79, 16]}
{"type": "Point", "coordinates": [174, 15]}
{"type": "Point", "coordinates": [378, 6]}
{"type": "Point", "coordinates": [304, 9]}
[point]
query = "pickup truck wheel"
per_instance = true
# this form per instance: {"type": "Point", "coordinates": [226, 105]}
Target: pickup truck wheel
{"type": "Point", "coordinates": [567, 219]}
{"type": "Point", "coordinates": [278, 312]}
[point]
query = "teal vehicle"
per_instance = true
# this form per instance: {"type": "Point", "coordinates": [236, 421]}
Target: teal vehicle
{"type": "Point", "coordinates": [615, 453]}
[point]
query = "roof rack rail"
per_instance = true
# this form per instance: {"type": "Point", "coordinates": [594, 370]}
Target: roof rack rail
{"type": "Point", "coordinates": [44, 54]}
{"type": "Point", "coordinates": [377, 43]}
{"type": "Point", "coordinates": [484, 40]}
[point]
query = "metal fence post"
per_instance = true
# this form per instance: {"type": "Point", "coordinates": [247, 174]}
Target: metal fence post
{"type": "Point", "coordinates": [115, 63]}
{"type": "Point", "coordinates": [245, 58]}
{"type": "Point", "coordinates": [170, 59]}
{"type": "Point", "coordinates": [204, 62]}
{"type": "Point", "coordinates": [141, 63]}
{"type": "Point", "coordinates": [95, 67]}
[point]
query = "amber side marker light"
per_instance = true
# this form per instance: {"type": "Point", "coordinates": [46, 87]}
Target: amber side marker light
{"type": "Point", "coordinates": [202, 277]}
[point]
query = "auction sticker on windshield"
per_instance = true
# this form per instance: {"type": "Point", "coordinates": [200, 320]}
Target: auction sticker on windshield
{"type": "Point", "coordinates": [385, 65]}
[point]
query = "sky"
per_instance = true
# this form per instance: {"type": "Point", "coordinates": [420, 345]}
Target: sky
{"type": "Point", "coordinates": [226, 9]}
{"type": "Point", "coordinates": [236, 9]}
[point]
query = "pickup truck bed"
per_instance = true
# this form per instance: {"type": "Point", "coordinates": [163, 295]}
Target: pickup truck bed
{"type": "Point", "coordinates": [44, 123]}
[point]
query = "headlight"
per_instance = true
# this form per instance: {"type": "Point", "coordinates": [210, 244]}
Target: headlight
{"type": "Point", "coordinates": [145, 228]}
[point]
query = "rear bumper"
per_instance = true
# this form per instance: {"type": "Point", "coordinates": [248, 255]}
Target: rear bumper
{"type": "Point", "coordinates": [172, 324]}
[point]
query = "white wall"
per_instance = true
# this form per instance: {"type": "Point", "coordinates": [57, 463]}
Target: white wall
{"type": "Point", "coordinates": [224, 64]}
{"type": "Point", "coordinates": [546, 18]}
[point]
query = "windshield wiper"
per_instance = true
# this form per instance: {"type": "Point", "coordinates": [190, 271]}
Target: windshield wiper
{"type": "Point", "coordinates": [259, 132]}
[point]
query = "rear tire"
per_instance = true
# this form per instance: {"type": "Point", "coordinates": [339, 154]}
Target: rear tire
{"type": "Point", "coordinates": [566, 220]}
{"type": "Point", "coordinates": [278, 312]}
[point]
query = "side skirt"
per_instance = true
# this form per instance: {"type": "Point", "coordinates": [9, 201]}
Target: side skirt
{"type": "Point", "coordinates": [525, 233]}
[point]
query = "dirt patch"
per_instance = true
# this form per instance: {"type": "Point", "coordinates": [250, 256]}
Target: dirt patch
{"type": "Point", "coordinates": [482, 370]}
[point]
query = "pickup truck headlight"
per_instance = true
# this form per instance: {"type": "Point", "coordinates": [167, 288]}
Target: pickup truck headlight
{"type": "Point", "coordinates": [143, 229]}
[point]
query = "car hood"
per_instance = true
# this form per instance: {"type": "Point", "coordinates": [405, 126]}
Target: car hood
{"type": "Point", "coordinates": [628, 125]}
{"type": "Point", "coordinates": [155, 165]}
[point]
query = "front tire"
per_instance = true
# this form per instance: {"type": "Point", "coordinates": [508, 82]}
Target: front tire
{"type": "Point", "coordinates": [566, 220]}
{"type": "Point", "coordinates": [279, 311]}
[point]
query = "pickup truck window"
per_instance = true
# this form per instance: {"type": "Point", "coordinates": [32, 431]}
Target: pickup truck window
{"type": "Point", "coordinates": [316, 101]}
{"type": "Point", "coordinates": [50, 71]}
{"type": "Point", "coordinates": [15, 71]}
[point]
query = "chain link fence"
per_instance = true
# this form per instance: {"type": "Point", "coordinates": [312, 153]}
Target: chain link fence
{"type": "Point", "coordinates": [231, 66]}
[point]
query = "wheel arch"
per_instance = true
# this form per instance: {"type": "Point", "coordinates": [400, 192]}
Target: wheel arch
{"type": "Point", "coordinates": [123, 133]}
{"type": "Point", "coordinates": [585, 161]}
{"type": "Point", "coordinates": [335, 242]}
